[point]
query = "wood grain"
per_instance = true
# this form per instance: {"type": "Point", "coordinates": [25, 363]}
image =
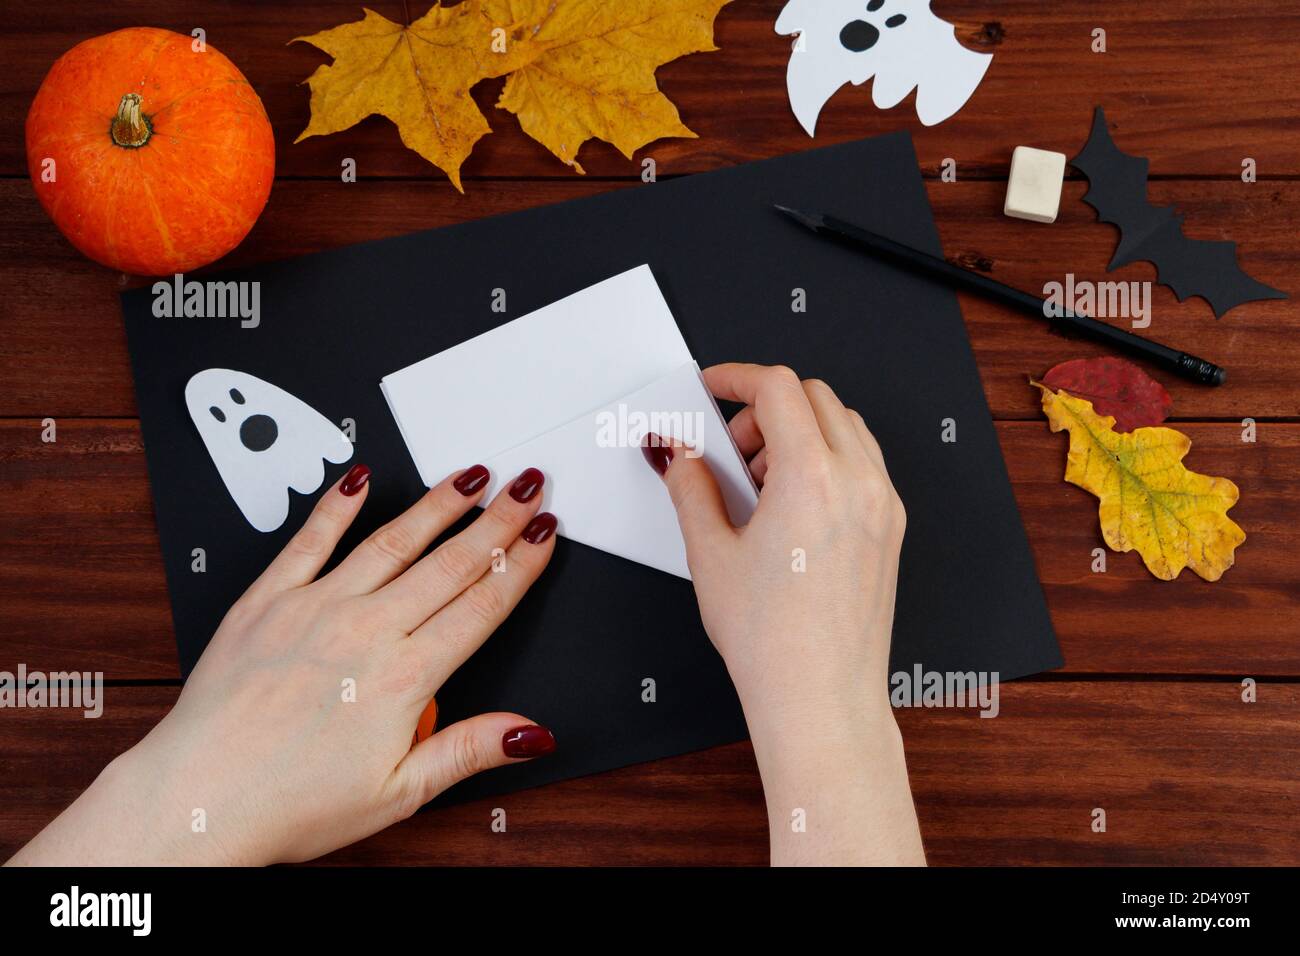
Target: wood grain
{"type": "Point", "coordinates": [64, 349]}
{"type": "Point", "coordinates": [1186, 773]}
{"type": "Point", "coordinates": [81, 570]}
{"type": "Point", "coordinates": [1196, 87]}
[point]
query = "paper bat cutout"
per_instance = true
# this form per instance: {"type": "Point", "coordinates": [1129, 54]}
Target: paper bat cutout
{"type": "Point", "coordinates": [263, 441]}
{"type": "Point", "coordinates": [899, 42]}
{"type": "Point", "coordinates": [1117, 189]}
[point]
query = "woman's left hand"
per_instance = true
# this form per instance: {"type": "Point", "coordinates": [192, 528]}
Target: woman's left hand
{"type": "Point", "coordinates": [293, 735]}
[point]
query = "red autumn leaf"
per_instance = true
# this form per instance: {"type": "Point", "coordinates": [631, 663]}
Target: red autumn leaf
{"type": "Point", "coordinates": [1116, 388]}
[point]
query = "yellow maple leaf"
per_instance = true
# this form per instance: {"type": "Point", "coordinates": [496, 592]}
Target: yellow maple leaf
{"type": "Point", "coordinates": [1149, 502]}
{"type": "Point", "coordinates": [576, 69]}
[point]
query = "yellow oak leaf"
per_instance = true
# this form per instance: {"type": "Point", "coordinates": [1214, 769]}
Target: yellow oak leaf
{"type": "Point", "coordinates": [576, 69]}
{"type": "Point", "coordinates": [1174, 518]}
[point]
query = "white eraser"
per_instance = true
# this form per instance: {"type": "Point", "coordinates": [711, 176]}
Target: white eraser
{"type": "Point", "coordinates": [1034, 188]}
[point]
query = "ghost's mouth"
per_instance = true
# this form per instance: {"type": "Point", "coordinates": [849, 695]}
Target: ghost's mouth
{"type": "Point", "coordinates": [259, 432]}
{"type": "Point", "coordinates": [858, 36]}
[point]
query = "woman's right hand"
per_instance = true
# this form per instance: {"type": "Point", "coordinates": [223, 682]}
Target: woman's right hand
{"type": "Point", "coordinates": [800, 604]}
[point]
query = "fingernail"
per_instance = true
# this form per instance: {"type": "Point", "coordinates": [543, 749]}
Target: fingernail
{"type": "Point", "coordinates": [540, 528]}
{"type": "Point", "coordinates": [527, 485]}
{"type": "Point", "coordinates": [528, 741]}
{"type": "Point", "coordinates": [471, 481]}
{"type": "Point", "coordinates": [354, 480]}
{"type": "Point", "coordinates": [658, 453]}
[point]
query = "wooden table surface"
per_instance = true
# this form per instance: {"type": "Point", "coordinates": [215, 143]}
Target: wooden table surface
{"type": "Point", "coordinates": [1146, 720]}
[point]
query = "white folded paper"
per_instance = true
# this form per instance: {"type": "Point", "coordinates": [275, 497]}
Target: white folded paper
{"type": "Point", "coordinates": [571, 389]}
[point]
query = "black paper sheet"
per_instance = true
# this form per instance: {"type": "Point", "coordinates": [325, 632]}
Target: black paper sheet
{"type": "Point", "coordinates": [575, 653]}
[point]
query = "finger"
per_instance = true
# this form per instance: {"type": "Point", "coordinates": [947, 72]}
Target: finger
{"type": "Point", "coordinates": [758, 467]}
{"type": "Point", "coordinates": [745, 432]}
{"type": "Point", "coordinates": [701, 511]}
{"type": "Point", "coordinates": [868, 441]}
{"type": "Point", "coordinates": [832, 417]}
{"type": "Point", "coordinates": [313, 543]}
{"type": "Point", "coordinates": [451, 636]}
{"type": "Point", "coordinates": [781, 409]}
{"type": "Point", "coordinates": [390, 550]}
{"type": "Point", "coordinates": [463, 749]}
{"type": "Point", "coordinates": [454, 565]}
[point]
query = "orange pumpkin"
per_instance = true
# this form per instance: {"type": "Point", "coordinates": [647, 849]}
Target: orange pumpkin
{"type": "Point", "coordinates": [427, 724]}
{"type": "Point", "coordinates": [150, 156]}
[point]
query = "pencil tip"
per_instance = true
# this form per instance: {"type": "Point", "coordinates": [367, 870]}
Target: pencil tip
{"type": "Point", "coordinates": [803, 218]}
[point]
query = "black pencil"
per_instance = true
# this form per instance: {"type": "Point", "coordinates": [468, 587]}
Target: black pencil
{"type": "Point", "coordinates": [1180, 363]}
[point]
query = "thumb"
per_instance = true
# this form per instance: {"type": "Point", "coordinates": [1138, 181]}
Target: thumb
{"type": "Point", "coordinates": [701, 511]}
{"type": "Point", "coordinates": [467, 747]}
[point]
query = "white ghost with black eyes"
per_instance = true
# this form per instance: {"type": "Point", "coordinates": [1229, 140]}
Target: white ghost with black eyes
{"type": "Point", "coordinates": [263, 441]}
{"type": "Point", "coordinates": [899, 42]}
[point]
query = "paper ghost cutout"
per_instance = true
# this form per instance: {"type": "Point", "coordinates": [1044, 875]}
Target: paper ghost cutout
{"type": "Point", "coordinates": [263, 441]}
{"type": "Point", "coordinates": [899, 42]}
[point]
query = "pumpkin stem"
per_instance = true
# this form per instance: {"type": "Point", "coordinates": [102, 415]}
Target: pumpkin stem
{"type": "Point", "coordinates": [131, 128]}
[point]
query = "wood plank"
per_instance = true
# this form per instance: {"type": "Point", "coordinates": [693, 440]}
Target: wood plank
{"type": "Point", "coordinates": [1126, 621]}
{"type": "Point", "coordinates": [64, 349]}
{"type": "Point", "coordinates": [1186, 772]}
{"type": "Point", "coordinates": [1194, 86]}
{"type": "Point", "coordinates": [81, 581]}
{"type": "Point", "coordinates": [81, 572]}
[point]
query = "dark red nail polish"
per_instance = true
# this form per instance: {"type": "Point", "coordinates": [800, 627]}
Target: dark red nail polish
{"type": "Point", "coordinates": [471, 481]}
{"type": "Point", "coordinates": [540, 528]}
{"type": "Point", "coordinates": [354, 480]}
{"type": "Point", "coordinates": [658, 453]}
{"type": "Point", "coordinates": [528, 741]}
{"type": "Point", "coordinates": [527, 485]}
